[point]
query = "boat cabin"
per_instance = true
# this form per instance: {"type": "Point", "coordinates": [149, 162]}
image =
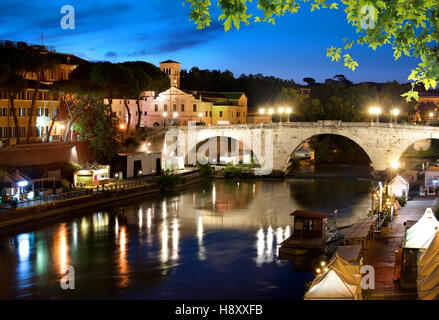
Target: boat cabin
{"type": "Point", "coordinates": [310, 224]}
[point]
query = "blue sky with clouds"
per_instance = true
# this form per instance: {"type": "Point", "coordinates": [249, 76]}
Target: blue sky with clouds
{"type": "Point", "coordinates": [158, 30]}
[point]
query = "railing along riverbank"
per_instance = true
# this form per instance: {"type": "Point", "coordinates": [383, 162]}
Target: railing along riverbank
{"type": "Point", "coordinates": [85, 199]}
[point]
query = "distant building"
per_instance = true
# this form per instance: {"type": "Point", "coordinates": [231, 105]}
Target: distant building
{"type": "Point", "coordinates": [136, 164]}
{"type": "Point", "coordinates": [431, 181]}
{"type": "Point", "coordinates": [47, 103]}
{"type": "Point", "coordinates": [399, 186]}
{"type": "Point", "coordinates": [427, 108]}
{"type": "Point", "coordinates": [172, 69]}
{"type": "Point", "coordinates": [119, 109]}
{"type": "Point", "coordinates": [256, 117]}
{"type": "Point", "coordinates": [177, 107]}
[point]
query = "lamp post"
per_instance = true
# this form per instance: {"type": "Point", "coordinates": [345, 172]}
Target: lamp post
{"type": "Point", "coordinates": [375, 111]}
{"type": "Point", "coordinates": [200, 115]}
{"type": "Point", "coordinates": [165, 115]}
{"type": "Point", "coordinates": [174, 117]}
{"type": "Point", "coordinates": [289, 111]}
{"type": "Point", "coordinates": [281, 111]}
{"type": "Point", "coordinates": [270, 112]}
{"type": "Point", "coordinates": [395, 113]}
{"type": "Point", "coordinates": [431, 114]}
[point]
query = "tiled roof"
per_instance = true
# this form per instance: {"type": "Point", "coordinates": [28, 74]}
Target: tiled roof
{"type": "Point", "coordinates": [218, 98]}
{"type": "Point", "coordinates": [169, 61]}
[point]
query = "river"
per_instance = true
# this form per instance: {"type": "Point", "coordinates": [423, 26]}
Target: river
{"type": "Point", "coordinates": [212, 241]}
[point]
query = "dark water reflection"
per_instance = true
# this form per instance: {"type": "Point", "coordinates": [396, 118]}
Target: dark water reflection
{"type": "Point", "coordinates": [217, 241]}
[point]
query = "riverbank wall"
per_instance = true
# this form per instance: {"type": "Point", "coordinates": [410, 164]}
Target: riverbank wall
{"type": "Point", "coordinates": [50, 209]}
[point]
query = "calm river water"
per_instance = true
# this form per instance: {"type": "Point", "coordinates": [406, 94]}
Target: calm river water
{"type": "Point", "coordinates": [212, 241]}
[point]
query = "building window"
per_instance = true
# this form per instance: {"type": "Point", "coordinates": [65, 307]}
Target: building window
{"type": "Point", "coordinates": [210, 114]}
{"type": "Point", "coordinates": [3, 132]}
{"type": "Point", "coordinates": [174, 108]}
{"type": "Point", "coordinates": [145, 113]}
{"type": "Point", "coordinates": [165, 107]}
{"type": "Point", "coordinates": [221, 114]}
{"type": "Point", "coordinates": [22, 112]}
{"type": "Point", "coordinates": [195, 108]}
{"type": "Point", "coordinates": [55, 111]}
{"type": "Point", "coordinates": [22, 132]}
{"type": "Point", "coordinates": [4, 112]}
{"type": "Point", "coordinates": [46, 112]}
{"type": "Point", "coordinates": [39, 112]}
{"type": "Point", "coordinates": [207, 114]}
{"type": "Point", "coordinates": [156, 107]}
{"type": "Point", "coordinates": [182, 108]}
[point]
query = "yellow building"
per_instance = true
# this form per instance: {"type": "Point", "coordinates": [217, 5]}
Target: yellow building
{"type": "Point", "coordinates": [177, 107]}
{"type": "Point", "coordinates": [47, 104]}
{"type": "Point", "coordinates": [256, 117]}
{"type": "Point", "coordinates": [227, 107]}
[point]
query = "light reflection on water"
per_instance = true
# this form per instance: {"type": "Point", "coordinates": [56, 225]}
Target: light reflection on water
{"type": "Point", "coordinates": [212, 241]}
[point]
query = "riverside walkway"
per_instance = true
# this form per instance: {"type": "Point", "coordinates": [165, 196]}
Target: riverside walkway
{"type": "Point", "coordinates": [381, 255]}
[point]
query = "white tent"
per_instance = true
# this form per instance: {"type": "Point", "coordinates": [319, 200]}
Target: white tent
{"type": "Point", "coordinates": [428, 271]}
{"type": "Point", "coordinates": [428, 288]}
{"type": "Point", "coordinates": [341, 281]}
{"type": "Point", "coordinates": [429, 259]}
{"type": "Point", "coordinates": [422, 232]}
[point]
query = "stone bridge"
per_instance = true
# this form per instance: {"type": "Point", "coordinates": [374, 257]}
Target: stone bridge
{"type": "Point", "coordinates": [384, 143]}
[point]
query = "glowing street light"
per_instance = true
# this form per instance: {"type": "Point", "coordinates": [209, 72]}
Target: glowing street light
{"type": "Point", "coordinates": [175, 115]}
{"type": "Point", "coordinates": [289, 111]}
{"type": "Point", "coordinates": [375, 111]}
{"type": "Point", "coordinates": [165, 115]}
{"type": "Point", "coordinates": [271, 112]}
{"type": "Point", "coordinates": [431, 114]}
{"type": "Point", "coordinates": [395, 164]}
{"type": "Point", "coordinates": [122, 126]}
{"type": "Point", "coordinates": [280, 111]}
{"type": "Point", "coordinates": [261, 111]}
{"type": "Point", "coordinates": [395, 113]}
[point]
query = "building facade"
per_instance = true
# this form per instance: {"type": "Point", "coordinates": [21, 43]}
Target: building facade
{"type": "Point", "coordinates": [177, 107]}
{"type": "Point", "coordinates": [47, 104]}
{"type": "Point", "coordinates": [119, 109]}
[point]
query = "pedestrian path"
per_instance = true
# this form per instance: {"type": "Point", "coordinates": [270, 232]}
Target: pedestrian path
{"type": "Point", "coordinates": [381, 255]}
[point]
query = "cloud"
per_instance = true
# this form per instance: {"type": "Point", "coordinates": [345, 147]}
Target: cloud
{"type": "Point", "coordinates": [111, 54]}
{"type": "Point", "coordinates": [176, 40]}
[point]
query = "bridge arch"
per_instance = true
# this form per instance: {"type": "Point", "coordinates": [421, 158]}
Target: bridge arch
{"type": "Point", "coordinates": [346, 137]}
{"type": "Point", "coordinates": [221, 149]}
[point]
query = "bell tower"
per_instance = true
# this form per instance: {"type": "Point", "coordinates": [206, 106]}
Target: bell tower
{"type": "Point", "coordinates": [172, 69]}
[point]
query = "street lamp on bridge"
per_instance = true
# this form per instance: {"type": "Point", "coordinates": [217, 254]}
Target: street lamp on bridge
{"type": "Point", "coordinates": [375, 111]}
{"type": "Point", "coordinates": [395, 113]}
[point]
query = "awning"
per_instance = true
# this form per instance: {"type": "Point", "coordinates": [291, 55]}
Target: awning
{"type": "Point", "coordinates": [420, 235]}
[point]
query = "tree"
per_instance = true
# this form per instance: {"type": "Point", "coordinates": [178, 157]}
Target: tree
{"type": "Point", "coordinates": [410, 27]}
{"type": "Point", "coordinates": [13, 86]}
{"type": "Point", "coordinates": [77, 93]}
{"type": "Point", "coordinates": [23, 60]}
{"type": "Point", "coordinates": [309, 81]}
{"type": "Point", "coordinates": [146, 77]}
{"type": "Point", "coordinates": [97, 126]}
{"type": "Point", "coordinates": [37, 63]}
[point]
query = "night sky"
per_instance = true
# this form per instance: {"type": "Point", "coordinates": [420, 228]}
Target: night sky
{"type": "Point", "coordinates": [159, 30]}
